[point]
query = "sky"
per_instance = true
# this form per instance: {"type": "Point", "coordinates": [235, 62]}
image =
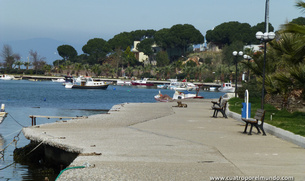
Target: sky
{"type": "Point", "coordinates": [77, 21]}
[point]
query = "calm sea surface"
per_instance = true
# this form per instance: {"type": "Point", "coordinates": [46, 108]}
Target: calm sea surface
{"type": "Point", "coordinates": [23, 98]}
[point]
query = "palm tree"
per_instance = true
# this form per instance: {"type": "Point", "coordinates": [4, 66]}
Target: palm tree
{"type": "Point", "coordinates": [47, 68]}
{"type": "Point", "coordinates": [96, 68]}
{"type": "Point", "coordinates": [106, 68]}
{"type": "Point", "coordinates": [27, 64]}
{"type": "Point", "coordinates": [68, 64]}
{"type": "Point", "coordinates": [19, 63]}
{"type": "Point", "coordinates": [77, 67]}
{"type": "Point", "coordinates": [87, 68]}
{"type": "Point", "coordinates": [129, 71]}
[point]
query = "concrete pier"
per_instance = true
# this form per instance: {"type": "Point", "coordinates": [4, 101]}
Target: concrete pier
{"type": "Point", "coordinates": [156, 141]}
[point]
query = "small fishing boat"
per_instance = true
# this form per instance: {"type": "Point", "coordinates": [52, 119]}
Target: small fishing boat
{"type": "Point", "coordinates": [182, 86]}
{"type": "Point", "coordinates": [3, 114]}
{"type": "Point", "coordinates": [163, 97]}
{"type": "Point", "coordinates": [6, 77]}
{"type": "Point", "coordinates": [86, 83]}
{"type": "Point", "coordinates": [142, 82]}
{"type": "Point", "coordinates": [186, 95]}
{"type": "Point", "coordinates": [213, 88]}
{"type": "Point", "coordinates": [123, 82]}
{"type": "Point", "coordinates": [227, 87]}
{"type": "Point", "coordinates": [60, 80]}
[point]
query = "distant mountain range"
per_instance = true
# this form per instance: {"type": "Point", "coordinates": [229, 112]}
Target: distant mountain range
{"type": "Point", "coordinates": [45, 47]}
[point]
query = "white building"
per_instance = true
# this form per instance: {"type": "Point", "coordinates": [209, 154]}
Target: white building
{"type": "Point", "coordinates": [140, 56]}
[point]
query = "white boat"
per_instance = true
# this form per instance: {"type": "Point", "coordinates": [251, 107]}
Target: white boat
{"type": "Point", "coordinates": [186, 95]}
{"type": "Point", "coordinates": [182, 86]}
{"type": "Point", "coordinates": [86, 83]}
{"type": "Point", "coordinates": [61, 80]}
{"type": "Point", "coordinates": [6, 77]}
{"type": "Point", "coordinates": [3, 114]}
{"type": "Point", "coordinates": [163, 97]}
{"type": "Point", "coordinates": [142, 82]}
{"type": "Point", "coordinates": [226, 87]}
{"type": "Point", "coordinates": [213, 88]}
{"type": "Point", "coordinates": [123, 82]}
{"type": "Point", "coordinates": [162, 86]}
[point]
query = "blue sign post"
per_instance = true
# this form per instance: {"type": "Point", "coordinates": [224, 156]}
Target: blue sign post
{"type": "Point", "coordinates": [246, 109]}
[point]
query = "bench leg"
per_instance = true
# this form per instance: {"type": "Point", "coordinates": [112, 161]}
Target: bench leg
{"type": "Point", "coordinates": [224, 113]}
{"type": "Point", "coordinates": [245, 131]}
{"type": "Point", "coordinates": [261, 127]}
{"type": "Point", "coordinates": [250, 132]}
{"type": "Point", "coordinates": [214, 114]}
{"type": "Point", "coordinates": [258, 131]}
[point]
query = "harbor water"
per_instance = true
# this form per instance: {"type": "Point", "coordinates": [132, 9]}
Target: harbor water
{"type": "Point", "coordinates": [23, 98]}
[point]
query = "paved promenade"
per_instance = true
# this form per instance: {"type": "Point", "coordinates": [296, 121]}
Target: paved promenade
{"type": "Point", "coordinates": [155, 141]}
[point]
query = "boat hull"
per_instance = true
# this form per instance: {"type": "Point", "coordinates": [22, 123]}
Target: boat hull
{"type": "Point", "coordinates": [142, 84]}
{"type": "Point", "coordinates": [90, 87]}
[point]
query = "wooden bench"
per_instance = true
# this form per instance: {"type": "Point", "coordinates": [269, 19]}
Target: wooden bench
{"type": "Point", "coordinates": [217, 103]}
{"type": "Point", "coordinates": [180, 104]}
{"type": "Point", "coordinates": [222, 108]}
{"type": "Point", "coordinates": [257, 122]}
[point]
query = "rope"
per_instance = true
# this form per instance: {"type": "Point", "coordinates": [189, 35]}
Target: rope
{"type": "Point", "coordinates": [16, 120]}
{"type": "Point", "coordinates": [68, 169]}
{"type": "Point", "coordinates": [15, 140]}
{"type": "Point", "coordinates": [7, 166]}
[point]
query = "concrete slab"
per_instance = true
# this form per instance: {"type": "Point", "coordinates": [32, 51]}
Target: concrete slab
{"type": "Point", "coordinates": [156, 141]}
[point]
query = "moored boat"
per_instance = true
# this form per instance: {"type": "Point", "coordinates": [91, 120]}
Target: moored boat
{"type": "Point", "coordinates": [186, 95]}
{"type": "Point", "coordinates": [163, 97]}
{"type": "Point", "coordinates": [86, 83]}
{"type": "Point", "coordinates": [6, 77]}
{"type": "Point", "coordinates": [227, 87]}
{"type": "Point", "coordinates": [61, 80]}
{"type": "Point", "coordinates": [182, 86]}
{"type": "Point", "coordinates": [123, 82]}
{"type": "Point", "coordinates": [142, 82]}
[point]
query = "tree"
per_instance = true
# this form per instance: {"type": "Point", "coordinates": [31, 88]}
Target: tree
{"type": "Point", "coordinates": [122, 40]}
{"type": "Point", "coordinates": [129, 57]}
{"type": "Point", "coordinates": [19, 63]}
{"type": "Point", "coordinates": [97, 49]}
{"type": "Point", "coordinates": [96, 69]}
{"type": "Point", "coordinates": [27, 64]}
{"type": "Point", "coordinates": [67, 52]}
{"type": "Point", "coordinates": [78, 67]}
{"type": "Point", "coordinates": [229, 32]}
{"type": "Point", "coordinates": [161, 38]}
{"type": "Point", "coordinates": [37, 61]}
{"type": "Point", "coordinates": [299, 21]}
{"type": "Point", "coordinates": [162, 59]}
{"type": "Point", "coordinates": [129, 71]}
{"type": "Point", "coordinates": [182, 36]}
{"type": "Point", "coordinates": [9, 57]}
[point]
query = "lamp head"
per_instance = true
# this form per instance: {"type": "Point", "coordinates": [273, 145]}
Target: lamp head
{"type": "Point", "coordinates": [259, 35]}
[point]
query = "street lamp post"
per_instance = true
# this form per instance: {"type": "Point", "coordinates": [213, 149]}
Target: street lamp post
{"type": "Point", "coordinates": [247, 57]}
{"type": "Point", "coordinates": [235, 53]}
{"type": "Point", "coordinates": [265, 37]}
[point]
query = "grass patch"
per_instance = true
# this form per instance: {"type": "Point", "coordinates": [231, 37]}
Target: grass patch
{"type": "Point", "coordinates": [293, 122]}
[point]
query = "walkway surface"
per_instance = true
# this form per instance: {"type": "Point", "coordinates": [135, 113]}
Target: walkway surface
{"type": "Point", "coordinates": [156, 141]}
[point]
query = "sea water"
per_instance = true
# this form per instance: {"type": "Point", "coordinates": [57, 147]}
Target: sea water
{"type": "Point", "coordinates": [23, 98]}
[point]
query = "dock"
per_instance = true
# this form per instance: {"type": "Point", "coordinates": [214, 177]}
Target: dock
{"type": "Point", "coordinates": [157, 141]}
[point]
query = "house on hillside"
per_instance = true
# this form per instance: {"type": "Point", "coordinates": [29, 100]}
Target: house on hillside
{"type": "Point", "coordinates": [141, 57]}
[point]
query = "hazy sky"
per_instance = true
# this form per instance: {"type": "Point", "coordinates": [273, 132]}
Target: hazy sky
{"type": "Point", "coordinates": [77, 21]}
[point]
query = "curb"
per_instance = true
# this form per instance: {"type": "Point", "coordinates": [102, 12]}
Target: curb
{"type": "Point", "coordinates": [278, 132]}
